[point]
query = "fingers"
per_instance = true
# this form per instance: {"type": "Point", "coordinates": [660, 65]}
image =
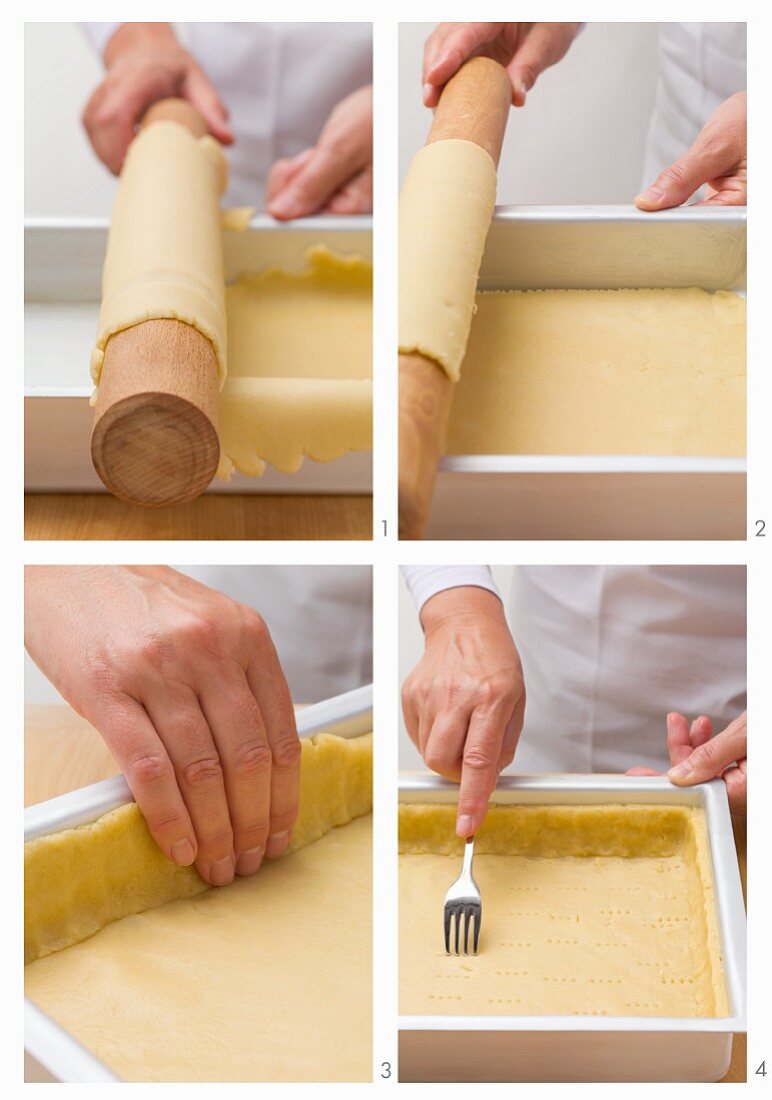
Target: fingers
{"type": "Point", "coordinates": [355, 197]}
{"type": "Point", "coordinates": [718, 152]}
{"type": "Point", "coordinates": [447, 49]}
{"type": "Point", "coordinates": [202, 94]}
{"type": "Point", "coordinates": [283, 171]}
{"type": "Point", "coordinates": [190, 744]}
{"type": "Point", "coordinates": [710, 758]}
{"type": "Point", "coordinates": [545, 44]}
{"type": "Point", "coordinates": [444, 749]}
{"type": "Point", "coordinates": [114, 111]}
{"type": "Point", "coordinates": [151, 777]}
{"type": "Point", "coordinates": [736, 780]}
{"type": "Point", "coordinates": [641, 770]}
{"type": "Point", "coordinates": [323, 173]}
{"type": "Point", "coordinates": [239, 734]}
{"type": "Point", "coordinates": [479, 768]}
{"type": "Point", "coordinates": [269, 687]}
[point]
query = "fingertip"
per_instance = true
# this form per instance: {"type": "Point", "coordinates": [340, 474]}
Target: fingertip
{"type": "Point", "coordinates": [465, 826]}
{"type": "Point", "coordinates": [183, 853]}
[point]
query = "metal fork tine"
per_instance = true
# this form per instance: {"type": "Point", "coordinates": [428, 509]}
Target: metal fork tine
{"type": "Point", "coordinates": [458, 927]}
{"type": "Point", "coordinates": [448, 916]}
{"type": "Point", "coordinates": [467, 915]}
{"type": "Point", "coordinates": [463, 901]}
{"type": "Point", "coordinates": [477, 922]}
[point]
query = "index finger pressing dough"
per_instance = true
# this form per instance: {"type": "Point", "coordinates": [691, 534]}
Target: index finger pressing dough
{"type": "Point", "coordinates": [268, 979]}
{"type": "Point", "coordinates": [293, 351]}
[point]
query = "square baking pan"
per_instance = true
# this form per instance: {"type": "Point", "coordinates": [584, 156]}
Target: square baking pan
{"type": "Point", "coordinates": [63, 260]}
{"type": "Point", "coordinates": [590, 1048]}
{"type": "Point", "coordinates": [600, 496]}
{"type": "Point", "coordinates": [50, 1052]}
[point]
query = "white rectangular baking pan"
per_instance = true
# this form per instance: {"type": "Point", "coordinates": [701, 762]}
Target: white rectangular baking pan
{"type": "Point", "coordinates": [62, 287]}
{"type": "Point", "coordinates": [50, 1052]}
{"type": "Point", "coordinates": [589, 1048]}
{"type": "Point", "coordinates": [600, 496]}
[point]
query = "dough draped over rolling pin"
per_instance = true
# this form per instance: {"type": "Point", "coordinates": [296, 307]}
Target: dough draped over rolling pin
{"type": "Point", "coordinates": [78, 880]}
{"type": "Point", "coordinates": [445, 211]}
{"type": "Point", "coordinates": [164, 252]}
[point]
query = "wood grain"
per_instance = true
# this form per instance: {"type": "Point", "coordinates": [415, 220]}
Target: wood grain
{"type": "Point", "coordinates": [213, 516]}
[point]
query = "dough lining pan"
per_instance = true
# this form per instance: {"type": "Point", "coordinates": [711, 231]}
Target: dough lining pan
{"type": "Point", "coordinates": [51, 1053]}
{"type": "Point", "coordinates": [62, 287]}
{"type": "Point", "coordinates": [589, 1047]}
{"type": "Point", "coordinates": [600, 496]}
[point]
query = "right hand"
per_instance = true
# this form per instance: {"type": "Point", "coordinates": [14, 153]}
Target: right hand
{"type": "Point", "coordinates": [524, 49]}
{"type": "Point", "coordinates": [145, 63]}
{"type": "Point", "coordinates": [464, 702]}
{"type": "Point", "coordinates": [185, 687]}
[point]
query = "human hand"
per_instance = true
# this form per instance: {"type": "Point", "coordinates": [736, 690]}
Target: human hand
{"type": "Point", "coordinates": [464, 701]}
{"type": "Point", "coordinates": [697, 756]}
{"type": "Point", "coordinates": [186, 689]}
{"type": "Point", "coordinates": [145, 63]}
{"type": "Point", "coordinates": [718, 158]}
{"type": "Point", "coordinates": [524, 49]}
{"type": "Point", "coordinates": [336, 175]}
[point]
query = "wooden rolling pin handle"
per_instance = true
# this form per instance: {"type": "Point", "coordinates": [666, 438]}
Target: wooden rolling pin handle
{"type": "Point", "coordinates": [474, 106]}
{"type": "Point", "coordinates": [154, 439]}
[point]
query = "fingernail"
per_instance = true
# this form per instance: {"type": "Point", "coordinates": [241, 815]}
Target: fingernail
{"type": "Point", "coordinates": [427, 90]}
{"type": "Point", "coordinates": [523, 89]}
{"type": "Point", "coordinates": [249, 861]}
{"type": "Point", "coordinates": [681, 771]}
{"type": "Point", "coordinates": [276, 844]}
{"type": "Point", "coordinates": [651, 194]}
{"type": "Point", "coordinates": [221, 873]}
{"type": "Point", "coordinates": [465, 825]}
{"type": "Point", "coordinates": [183, 853]}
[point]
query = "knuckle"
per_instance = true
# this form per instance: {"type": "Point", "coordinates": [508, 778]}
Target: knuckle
{"type": "Point", "coordinates": [202, 772]}
{"type": "Point", "coordinates": [149, 768]}
{"type": "Point", "coordinates": [286, 751]}
{"type": "Point", "coordinates": [284, 821]}
{"type": "Point", "coordinates": [252, 758]}
{"type": "Point", "coordinates": [215, 841]}
{"type": "Point", "coordinates": [251, 834]}
{"type": "Point", "coordinates": [479, 758]}
{"type": "Point", "coordinates": [675, 175]}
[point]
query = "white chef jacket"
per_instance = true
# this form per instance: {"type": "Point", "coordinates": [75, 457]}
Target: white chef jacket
{"type": "Point", "coordinates": [609, 650]}
{"type": "Point", "coordinates": [700, 65]}
{"type": "Point", "coordinates": [280, 81]}
{"type": "Point", "coordinates": [319, 616]}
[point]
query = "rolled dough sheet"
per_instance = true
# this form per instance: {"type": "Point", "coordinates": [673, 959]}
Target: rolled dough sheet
{"type": "Point", "coordinates": [78, 880]}
{"type": "Point", "coordinates": [587, 910]}
{"type": "Point", "coordinates": [445, 211]}
{"type": "Point", "coordinates": [299, 366]}
{"type": "Point", "coordinates": [268, 979]}
{"type": "Point", "coordinates": [607, 372]}
{"type": "Point", "coordinates": [164, 251]}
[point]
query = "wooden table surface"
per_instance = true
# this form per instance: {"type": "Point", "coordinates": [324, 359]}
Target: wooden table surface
{"type": "Point", "coordinates": [212, 516]}
{"type": "Point", "coordinates": [63, 752]}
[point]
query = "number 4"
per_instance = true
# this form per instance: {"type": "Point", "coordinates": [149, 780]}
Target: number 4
{"type": "Point", "coordinates": [762, 1070]}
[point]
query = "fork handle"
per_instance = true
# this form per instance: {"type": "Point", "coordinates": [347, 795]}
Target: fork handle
{"type": "Point", "coordinates": [468, 854]}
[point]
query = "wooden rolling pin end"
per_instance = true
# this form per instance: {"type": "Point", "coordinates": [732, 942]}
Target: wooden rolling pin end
{"type": "Point", "coordinates": [425, 396]}
{"type": "Point", "coordinates": [150, 445]}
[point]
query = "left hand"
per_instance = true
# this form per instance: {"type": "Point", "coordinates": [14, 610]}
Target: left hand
{"type": "Point", "coordinates": [697, 756]}
{"type": "Point", "coordinates": [336, 175]}
{"type": "Point", "coordinates": [717, 158]}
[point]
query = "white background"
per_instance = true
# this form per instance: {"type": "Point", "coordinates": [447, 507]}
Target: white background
{"type": "Point", "coordinates": [581, 137]}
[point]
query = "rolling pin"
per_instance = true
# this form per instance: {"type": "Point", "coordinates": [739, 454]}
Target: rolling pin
{"type": "Point", "coordinates": [154, 439]}
{"type": "Point", "coordinates": [474, 106]}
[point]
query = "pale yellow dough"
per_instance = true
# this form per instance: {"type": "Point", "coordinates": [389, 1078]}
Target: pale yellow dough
{"type": "Point", "coordinates": [78, 880]}
{"type": "Point", "coordinates": [609, 372]}
{"type": "Point", "coordinates": [164, 251]}
{"type": "Point", "coordinates": [445, 211]}
{"type": "Point", "coordinates": [587, 910]}
{"type": "Point", "coordinates": [299, 366]}
{"type": "Point", "coordinates": [257, 981]}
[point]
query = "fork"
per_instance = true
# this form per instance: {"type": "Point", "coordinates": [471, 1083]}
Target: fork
{"type": "Point", "coordinates": [463, 900]}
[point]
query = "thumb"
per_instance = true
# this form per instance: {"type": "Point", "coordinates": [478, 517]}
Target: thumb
{"type": "Point", "coordinates": [201, 93]}
{"type": "Point", "coordinates": [709, 760]}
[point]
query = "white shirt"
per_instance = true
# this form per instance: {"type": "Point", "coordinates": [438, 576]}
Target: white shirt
{"type": "Point", "coordinates": [700, 65]}
{"type": "Point", "coordinates": [608, 651]}
{"type": "Point", "coordinates": [280, 81]}
{"type": "Point", "coordinates": [319, 616]}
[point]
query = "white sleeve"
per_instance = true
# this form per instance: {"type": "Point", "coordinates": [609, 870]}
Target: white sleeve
{"type": "Point", "coordinates": [425, 581]}
{"type": "Point", "coordinates": [99, 34]}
